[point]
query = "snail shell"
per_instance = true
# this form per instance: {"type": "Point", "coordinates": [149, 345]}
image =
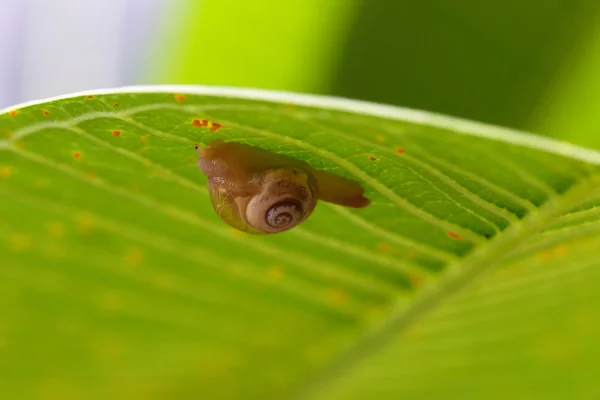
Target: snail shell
{"type": "Point", "coordinates": [260, 192]}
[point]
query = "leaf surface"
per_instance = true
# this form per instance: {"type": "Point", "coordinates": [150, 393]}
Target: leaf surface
{"type": "Point", "coordinates": [119, 280]}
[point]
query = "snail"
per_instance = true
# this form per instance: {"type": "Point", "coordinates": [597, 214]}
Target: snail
{"type": "Point", "coordinates": [260, 192]}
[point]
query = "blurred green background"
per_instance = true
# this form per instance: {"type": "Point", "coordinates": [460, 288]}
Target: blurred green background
{"type": "Point", "coordinates": [531, 65]}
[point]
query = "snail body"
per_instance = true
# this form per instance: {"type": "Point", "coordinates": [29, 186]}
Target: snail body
{"type": "Point", "coordinates": [256, 191]}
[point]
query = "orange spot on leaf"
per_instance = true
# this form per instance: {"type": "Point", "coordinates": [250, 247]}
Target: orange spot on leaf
{"type": "Point", "coordinates": [116, 133]}
{"type": "Point", "coordinates": [89, 96]}
{"type": "Point", "coordinates": [338, 296]}
{"type": "Point", "coordinates": [19, 242]}
{"type": "Point", "coordinates": [76, 155]}
{"type": "Point", "coordinates": [5, 172]}
{"type": "Point", "coordinates": [454, 235]}
{"type": "Point", "coordinates": [133, 257]}
{"type": "Point", "coordinates": [372, 158]}
{"type": "Point", "coordinates": [12, 113]}
{"type": "Point", "coordinates": [548, 254]}
{"type": "Point", "coordinates": [416, 280]}
{"type": "Point", "coordinates": [144, 138]}
{"type": "Point", "coordinates": [117, 105]}
{"type": "Point", "coordinates": [179, 98]}
{"type": "Point", "coordinates": [45, 112]}
{"type": "Point", "coordinates": [86, 223]}
{"type": "Point", "coordinates": [215, 127]}
{"type": "Point", "coordinates": [383, 247]}
{"type": "Point", "coordinates": [200, 123]}
{"type": "Point", "coordinates": [400, 150]}
{"type": "Point", "coordinates": [561, 250]}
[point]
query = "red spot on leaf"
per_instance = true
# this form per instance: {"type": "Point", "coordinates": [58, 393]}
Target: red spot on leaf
{"type": "Point", "coordinates": [12, 113]}
{"type": "Point", "coordinates": [400, 150]}
{"type": "Point", "coordinates": [89, 96]}
{"type": "Point", "coordinates": [372, 158]}
{"type": "Point", "coordinates": [215, 127]}
{"type": "Point", "coordinates": [454, 235]}
{"type": "Point", "coordinates": [45, 112]}
{"type": "Point", "coordinates": [200, 122]}
{"type": "Point", "coordinates": [116, 133]}
{"type": "Point", "coordinates": [76, 155]}
{"type": "Point", "coordinates": [179, 98]}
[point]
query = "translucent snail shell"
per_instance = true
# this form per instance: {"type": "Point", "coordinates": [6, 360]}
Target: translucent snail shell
{"type": "Point", "coordinates": [260, 192]}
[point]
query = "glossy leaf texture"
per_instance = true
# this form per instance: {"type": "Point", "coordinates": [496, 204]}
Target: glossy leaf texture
{"type": "Point", "coordinates": [473, 273]}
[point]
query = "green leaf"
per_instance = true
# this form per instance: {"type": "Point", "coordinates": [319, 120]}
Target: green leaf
{"type": "Point", "coordinates": [118, 280]}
